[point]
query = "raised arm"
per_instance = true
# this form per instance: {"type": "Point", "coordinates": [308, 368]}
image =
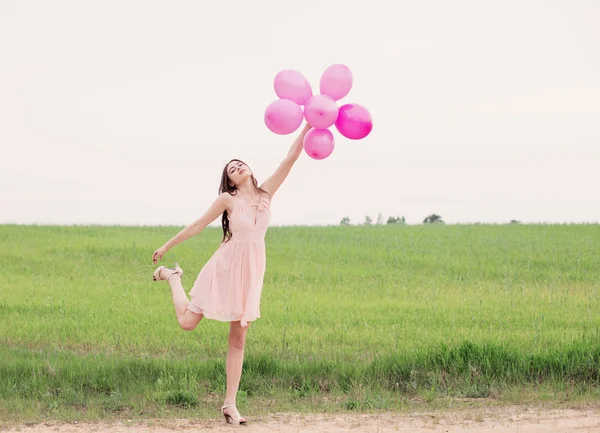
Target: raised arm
{"type": "Point", "coordinates": [272, 184]}
{"type": "Point", "coordinates": [216, 209]}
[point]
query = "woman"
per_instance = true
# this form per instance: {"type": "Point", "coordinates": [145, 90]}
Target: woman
{"type": "Point", "coordinates": [229, 285]}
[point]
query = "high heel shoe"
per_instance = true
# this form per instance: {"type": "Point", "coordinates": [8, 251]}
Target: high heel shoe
{"type": "Point", "coordinates": [231, 420]}
{"type": "Point", "coordinates": [177, 270]}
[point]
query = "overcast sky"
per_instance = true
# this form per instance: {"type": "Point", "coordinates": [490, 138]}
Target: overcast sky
{"type": "Point", "coordinates": [125, 112]}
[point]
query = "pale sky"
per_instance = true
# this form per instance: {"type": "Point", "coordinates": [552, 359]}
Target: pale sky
{"type": "Point", "coordinates": [125, 112]}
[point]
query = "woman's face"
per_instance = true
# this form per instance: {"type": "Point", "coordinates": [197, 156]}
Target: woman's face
{"type": "Point", "coordinates": [238, 172]}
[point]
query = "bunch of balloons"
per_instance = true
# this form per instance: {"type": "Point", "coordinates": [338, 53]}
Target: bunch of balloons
{"type": "Point", "coordinates": [284, 115]}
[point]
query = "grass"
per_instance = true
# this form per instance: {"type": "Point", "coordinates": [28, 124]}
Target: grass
{"type": "Point", "coordinates": [353, 318]}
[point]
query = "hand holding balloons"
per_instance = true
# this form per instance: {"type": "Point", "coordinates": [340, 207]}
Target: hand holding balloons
{"type": "Point", "coordinates": [284, 115]}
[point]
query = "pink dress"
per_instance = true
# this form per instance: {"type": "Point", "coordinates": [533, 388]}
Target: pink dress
{"type": "Point", "coordinates": [229, 285]}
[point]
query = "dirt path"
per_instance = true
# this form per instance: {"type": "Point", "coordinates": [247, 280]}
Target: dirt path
{"type": "Point", "coordinates": [498, 420]}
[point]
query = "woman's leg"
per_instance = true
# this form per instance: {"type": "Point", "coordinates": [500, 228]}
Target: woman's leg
{"type": "Point", "coordinates": [235, 359]}
{"type": "Point", "coordinates": [187, 319]}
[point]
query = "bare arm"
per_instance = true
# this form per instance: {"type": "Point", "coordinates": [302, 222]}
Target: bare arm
{"type": "Point", "coordinates": [216, 209]}
{"type": "Point", "coordinates": [272, 184]}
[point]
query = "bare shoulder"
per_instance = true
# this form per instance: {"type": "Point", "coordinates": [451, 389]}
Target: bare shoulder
{"type": "Point", "coordinates": [226, 198]}
{"type": "Point", "coordinates": [228, 201]}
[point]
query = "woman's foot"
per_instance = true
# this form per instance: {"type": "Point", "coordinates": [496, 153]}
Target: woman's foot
{"type": "Point", "coordinates": [231, 414]}
{"type": "Point", "coordinates": [164, 273]}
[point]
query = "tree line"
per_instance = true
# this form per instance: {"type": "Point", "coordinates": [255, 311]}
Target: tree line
{"type": "Point", "coordinates": [429, 219]}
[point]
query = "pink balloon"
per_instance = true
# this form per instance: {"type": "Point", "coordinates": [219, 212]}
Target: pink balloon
{"type": "Point", "coordinates": [336, 81]}
{"type": "Point", "coordinates": [291, 84]}
{"type": "Point", "coordinates": [320, 111]}
{"type": "Point", "coordinates": [354, 121]}
{"type": "Point", "coordinates": [319, 143]}
{"type": "Point", "coordinates": [283, 116]}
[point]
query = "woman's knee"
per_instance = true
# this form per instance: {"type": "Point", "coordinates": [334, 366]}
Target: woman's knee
{"type": "Point", "coordinates": [189, 321]}
{"type": "Point", "coordinates": [237, 337]}
{"type": "Point", "coordinates": [187, 326]}
{"type": "Point", "coordinates": [237, 341]}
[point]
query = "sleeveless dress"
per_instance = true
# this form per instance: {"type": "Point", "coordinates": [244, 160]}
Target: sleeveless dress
{"type": "Point", "coordinates": [229, 286]}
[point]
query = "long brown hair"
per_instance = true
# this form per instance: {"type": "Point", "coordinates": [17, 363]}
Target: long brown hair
{"type": "Point", "coordinates": [226, 186]}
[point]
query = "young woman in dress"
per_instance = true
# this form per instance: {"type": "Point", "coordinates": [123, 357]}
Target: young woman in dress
{"type": "Point", "coordinates": [229, 286]}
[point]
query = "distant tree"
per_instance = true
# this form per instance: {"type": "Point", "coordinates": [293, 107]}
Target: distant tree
{"type": "Point", "coordinates": [379, 219]}
{"type": "Point", "coordinates": [515, 222]}
{"type": "Point", "coordinates": [345, 221]}
{"type": "Point", "coordinates": [368, 220]}
{"type": "Point", "coordinates": [396, 220]}
{"type": "Point", "coordinates": [433, 219]}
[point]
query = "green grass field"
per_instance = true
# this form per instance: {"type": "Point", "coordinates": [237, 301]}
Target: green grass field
{"type": "Point", "coordinates": [353, 318]}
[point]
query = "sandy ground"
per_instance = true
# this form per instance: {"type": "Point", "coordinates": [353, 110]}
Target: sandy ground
{"type": "Point", "coordinates": [498, 420]}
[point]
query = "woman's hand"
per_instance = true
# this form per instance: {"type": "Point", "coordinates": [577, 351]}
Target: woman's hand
{"type": "Point", "coordinates": [158, 254]}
